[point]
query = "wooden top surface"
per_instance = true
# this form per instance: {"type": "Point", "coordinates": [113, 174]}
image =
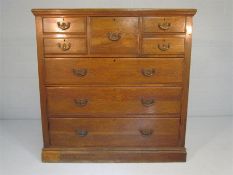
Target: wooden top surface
{"type": "Point", "coordinates": [114, 11]}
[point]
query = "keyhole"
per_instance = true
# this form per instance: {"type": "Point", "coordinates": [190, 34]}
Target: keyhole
{"type": "Point", "coordinates": [114, 60]}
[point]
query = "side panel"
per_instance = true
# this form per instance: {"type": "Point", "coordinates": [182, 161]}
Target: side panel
{"type": "Point", "coordinates": [40, 53]}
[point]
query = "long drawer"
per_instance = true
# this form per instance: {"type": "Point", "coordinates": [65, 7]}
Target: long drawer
{"type": "Point", "coordinates": [113, 70]}
{"type": "Point", "coordinates": [113, 100]}
{"type": "Point", "coordinates": [114, 132]}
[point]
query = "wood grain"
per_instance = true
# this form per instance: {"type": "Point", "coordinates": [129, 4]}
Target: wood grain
{"type": "Point", "coordinates": [113, 132]}
{"type": "Point", "coordinates": [112, 155]}
{"type": "Point", "coordinates": [150, 46]}
{"type": "Point", "coordinates": [126, 27]}
{"type": "Point", "coordinates": [114, 100]}
{"type": "Point", "coordinates": [113, 71]}
{"type": "Point", "coordinates": [184, 109]}
{"type": "Point", "coordinates": [115, 12]}
{"type": "Point", "coordinates": [117, 74]}
{"type": "Point", "coordinates": [151, 24]}
{"type": "Point", "coordinates": [43, 97]}
{"type": "Point", "coordinates": [78, 45]}
{"type": "Point", "coordinates": [77, 25]}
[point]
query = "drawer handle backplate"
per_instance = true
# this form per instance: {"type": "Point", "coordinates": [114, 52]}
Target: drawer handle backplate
{"type": "Point", "coordinates": [146, 132]}
{"type": "Point", "coordinates": [81, 72]}
{"type": "Point", "coordinates": [82, 133]}
{"type": "Point", "coordinates": [63, 25]}
{"type": "Point", "coordinates": [81, 102]}
{"type": "Point", "coordinates": [164, 47]}
{"type": "Point", "coordinates": [164, 25]}
{"type": "Point", "coordinates": [148, 72]}
{"type": "Point", "coordinates": [147, 102]}
{"type": "Point", "coordinates": [112, 36]}
{"type": "Point", "coordinates": [64, 46]}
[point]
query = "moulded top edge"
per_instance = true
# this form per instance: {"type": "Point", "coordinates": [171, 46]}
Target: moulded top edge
{"type": "Point", "coordinates": [112, 11]}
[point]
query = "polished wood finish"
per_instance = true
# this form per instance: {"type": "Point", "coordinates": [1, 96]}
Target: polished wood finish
{"type": "Point", "coordinates": [115, 12]}
{"type": "Point", "coordinates": [163, 24]}
{"type": "Point", "coordinates": [188, 44]}
{"type": "Point", "coordinates": [114, 155]}
{"type": "Point", "coordinates": [162, 45]}
{"type": "Point", "coordinates": [65, 45]}
{"type": "Point", "coordinates": [75, 25]}
{"type": "Point", "coordinates": [114, 83]}
{"type": "Point", "coordinates": [115, 100]}
{"type": "Point", "coordinates": [113, 71]}
{"type": "Point", "coordinates": [126, 34]}
{"type": "Point", "coordinates": [43, 98]}
{"type": "Point", "coordinates": [114, 132]}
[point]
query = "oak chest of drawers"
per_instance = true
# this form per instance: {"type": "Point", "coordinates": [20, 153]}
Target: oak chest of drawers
{"type": "Point", "coordinates": [114, 83]}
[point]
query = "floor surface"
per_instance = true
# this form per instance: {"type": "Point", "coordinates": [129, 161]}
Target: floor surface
{"type": "Point", "coordinates": [209, 145]}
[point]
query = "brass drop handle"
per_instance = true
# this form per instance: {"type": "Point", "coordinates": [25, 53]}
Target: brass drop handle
{"type": "Point", "coordinates": [146, 132]}
{"type": "Point", "coordinates": [113, 36]}
{"type": "Point", "coordinates": [164, 25]}
{"type": "Point", "coordinates": [64, 46]}
{"type": "Point", "coordinates": [148, 72]}
{"type": "Point", "coordinates": [147, 102]}
{"type": "Point", "coordinates": [81, 132]}
{"type": "Point", "coordinates": [81, 72]}
{"type": "Point", "coordinates": [63, 25]}
{"type": "Point", "coordinates": [81, 102]}
{"type": "Point", "coordinates": [164, 47]}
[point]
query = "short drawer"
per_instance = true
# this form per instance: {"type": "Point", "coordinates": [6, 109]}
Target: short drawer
{"type": "Point", "coordinates": [114, 132]}
{"type": "Point", "coordinates": [113, 70]}
{"type": "Point", "coordinates": [163, 24]}
{"type": "Point", "coordinates": [63, 25]}
{"type": "Point", "coordinates": [113, 100]}
{"type": "Point", "coordinates": [160, 46]}
{"type": "Point", "coordinates": [114, 35]}
{"type": "Point", "coordinates": [65, 45]}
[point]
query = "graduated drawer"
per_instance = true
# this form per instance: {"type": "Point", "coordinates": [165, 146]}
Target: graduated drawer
{"type": "Point", "coordinates": [63, 25]}
{"type": "Point", "coordinates": [113, 100]}
{"type": "Point", "coordinates": [163, 24]}
{"type": "Point", "coordinates": [163, 45]}
{"type": "Point", "coordinates": [113, 70]}
{"type": "Point", "coordinates": [114, 132]}
{"type": "Point", "coordinates": [114, 35]}
{"type": "Point", "coordinates": [63, 46]}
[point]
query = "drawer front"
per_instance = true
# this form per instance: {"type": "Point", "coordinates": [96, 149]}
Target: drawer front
{"type": "Point", "coordinates": [63, 25]}
{"type": "Point", "coordinates": [163, 24]}
{"type": "Point", "coordinates": [113, 70]}
{"type": "Point", "coordinates": [114, 132]}
{"type": "Point", "coordinates": [65, 46]}
{"type": "Point", "coordinates": [113, 100]}
{"type": "Point", "coordinates": [114, 35]}
{"type": "Point", "coordinates": [160, 46]}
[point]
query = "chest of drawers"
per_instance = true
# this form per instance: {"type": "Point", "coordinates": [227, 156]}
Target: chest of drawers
{"type": "Point", "coordinates": [114, 83]}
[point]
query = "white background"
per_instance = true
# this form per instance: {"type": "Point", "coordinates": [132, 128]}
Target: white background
{"type": "Point", "coordinates": [211, 72]}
